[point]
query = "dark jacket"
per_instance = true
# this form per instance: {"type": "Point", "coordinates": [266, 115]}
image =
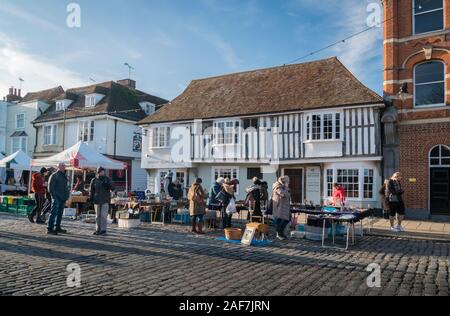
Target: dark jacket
{"type": "Point", "coordinates": [58, 186]}
{"type": "Point", "coordinates": [215, 189]}
{"type": "Point", "coordinates": [100, 190]}
{"type": "Point", "coordinates": [394, 192]}
{"type": "Point", "coordinates": [175, 191]}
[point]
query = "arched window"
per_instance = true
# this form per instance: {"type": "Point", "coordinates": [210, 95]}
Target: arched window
{"type": "Point", "coordinates": [440, 156]}
{"type": "Point", "coordinates": [429, 84]}
{"type": "Point", "coordinates": [428, 16]}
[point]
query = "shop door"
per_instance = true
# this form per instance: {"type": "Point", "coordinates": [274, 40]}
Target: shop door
{"type": "Point", "coordinates": [296, 184]}
{"type": "Point", "coordinates": [440, 191]}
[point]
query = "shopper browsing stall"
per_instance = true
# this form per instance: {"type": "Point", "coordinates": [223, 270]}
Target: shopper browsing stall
{"type": "Point", "coordinates": [100, 196]}
{"type": "Point", "coordinates": [38, 188]}
{"type": "Point", "coordinates": [281, 205]}
{"type": "Point", "coordinates": [197, 206]}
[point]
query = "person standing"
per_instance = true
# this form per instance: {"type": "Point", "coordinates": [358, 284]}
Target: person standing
{"type": "Point", "coordinates": [100, 196]}
{"type": "Point", "coordinates": [254, 197]}
{"type": "Point", "coordinates": [385, 200]}
{"type": "Point", "coordinates": [59, 190]}
{"type": "Point", "coordinates": [38, 188]}
{"type": "Point", "coordinates": [197, 206]}
{"type": "Point", "coordinates": [394, 193]}
{"type": "Point", "coordinates": [48, 198]}
{"type": "Point", "coordinates": [281, 198]}
{"type": "Point", "coordinates": [339, 196]}
{"type": "Point", "coordinates": [229, 190]}
{"type": "Point", "coordinates": [176, 191]}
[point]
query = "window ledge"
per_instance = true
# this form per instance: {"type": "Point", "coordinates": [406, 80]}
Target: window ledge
{"type": "Point", "coordinates": [153, 148]}
{"type": "Point", "coordinates": [323, 141]}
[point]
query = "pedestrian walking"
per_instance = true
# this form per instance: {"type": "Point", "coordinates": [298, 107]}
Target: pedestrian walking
{"type": "Point", "coordinates": [38, 188]}
{"type": "Point", "coordinates": [197, 206]}
{"type": "Point", "coordinates": [394, 194]}
{"type": "Point", "coordinates": [384, 200]}
{"type": "Point", "coordinates": [59, 190]}
{"type": "Point", "coordinates": [100, 195]}
{"type": "Point", "coordinates": [48, 198]}
{"type": "Point", "coordinates": [281, 198]}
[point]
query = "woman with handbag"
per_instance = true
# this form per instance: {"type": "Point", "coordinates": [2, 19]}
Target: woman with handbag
{"type": "Point", "coordinates": [197, 206]}
{"type": "Point", "coordinates": [385, 200]}
{"type": "Point", "coordinates": [394, 193]}
{"type": "Point", "coordinates": [281, 198]}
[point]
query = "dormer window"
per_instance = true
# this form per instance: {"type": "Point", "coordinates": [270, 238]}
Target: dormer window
{"type": "Point", "coordinates": [148, 108]}
{"type": "Point", "coordinates": [91, 100]}
{"type": "Point", "coordinates": [60, 106]}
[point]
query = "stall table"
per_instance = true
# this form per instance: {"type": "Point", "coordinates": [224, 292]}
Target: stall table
{"type": "Point", "coordinates": [77, 200]}
{"type": "Point", "coordinates": [349, 217]}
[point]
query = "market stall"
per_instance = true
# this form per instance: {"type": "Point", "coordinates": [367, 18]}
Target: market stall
{"type": "Point", "coordinates": [323, 222]}
{"type": "Point", "coordinates": [80, 157]}
{"type": "Point", "coordinates": [18, 162]}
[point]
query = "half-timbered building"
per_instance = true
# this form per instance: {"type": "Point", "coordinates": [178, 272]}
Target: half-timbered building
{"type": "Point", "coordinates": [313, 121]}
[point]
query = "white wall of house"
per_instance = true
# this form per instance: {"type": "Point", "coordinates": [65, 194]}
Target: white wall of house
{"type": "Point", "coordinates": [102, 141]}
{"type": "Point", "coordinates": [3, 117]}
{"type": "Point", "coordinates": [31, 111]}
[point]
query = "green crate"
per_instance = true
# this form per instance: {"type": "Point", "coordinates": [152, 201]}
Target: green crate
{"type": "Point", "coordinates": [25, 210]}
{"type": "Point", "coordinates": [3, 207]}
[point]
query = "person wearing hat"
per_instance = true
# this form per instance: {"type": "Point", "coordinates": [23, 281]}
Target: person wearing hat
{"type": "Point", "coordinates": [100, 196]}
{"type": "Point", "coordinates": [38, 188]}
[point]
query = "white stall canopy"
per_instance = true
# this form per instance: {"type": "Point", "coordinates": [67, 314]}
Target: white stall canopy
{"type": "Point", "coordinates": [80, 156]}
{"type": "Point", "coordinates": [18, 161]}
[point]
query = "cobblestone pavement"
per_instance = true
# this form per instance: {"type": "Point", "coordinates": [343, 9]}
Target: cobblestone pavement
{"type": "Point", "coordinates": [169, 261]}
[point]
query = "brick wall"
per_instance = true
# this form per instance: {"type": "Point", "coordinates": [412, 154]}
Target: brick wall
{"type": "Point", "coordinates": [416, 143]}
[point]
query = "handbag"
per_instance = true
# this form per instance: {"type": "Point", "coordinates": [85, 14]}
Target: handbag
{"type": "Point", "coordinates": [221, 196]}
{"type": "Point", "coordinates": [231, 208]}
{"type": "Point", "coordinates": [393, 198]}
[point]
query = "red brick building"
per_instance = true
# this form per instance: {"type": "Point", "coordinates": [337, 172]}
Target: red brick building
{"type": "Point", "coordinates": [417, 84]}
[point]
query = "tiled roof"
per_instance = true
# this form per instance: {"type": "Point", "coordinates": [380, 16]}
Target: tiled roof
{"type": "Point", "coordinates": [44, 95]}
{"type": "Point", "coordinates": [118, 101]}
{"type": "Point", "coordinates": [313, 85]}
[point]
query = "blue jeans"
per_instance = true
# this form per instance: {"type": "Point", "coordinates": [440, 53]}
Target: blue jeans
{"type": "Point", "coordinates": [56, 214]}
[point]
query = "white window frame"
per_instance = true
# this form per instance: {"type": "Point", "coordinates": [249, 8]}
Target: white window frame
{"type": "Point", "coordinates": [53, 136]}
{"type": "Point", "coordinates": [445, 86]}
{"type": "Point", "coordinates": [309, 127]}
{"type": "Point", "coordinates": [156, 140]}
{"type": "Point", "coordinates": [148, 108]}
{"type": "Point", "coordinates": [91, 101]}
{"type": "Point", "coordinates": [17, 121]}
{"type": "Point", "coordinates": [82, 128]}
{"type": "Point", "coordinates": [23, 144]}
{"type": "Point", "coordinates": [223, 134]}
{"type": "Point", "coordinates": [414, 14]}
{"type": "Point", "coordinates": [361, 182]}
{"type": "Point", "coordinates": [218, 169]}
{"type": "Point", "coordinates": [440, 165]}
{"type": "Point", "coordinates": [60, 106]}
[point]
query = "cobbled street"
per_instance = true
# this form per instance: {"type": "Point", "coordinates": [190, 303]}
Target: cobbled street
{"type": "Point", "coordinates": [168, 261]}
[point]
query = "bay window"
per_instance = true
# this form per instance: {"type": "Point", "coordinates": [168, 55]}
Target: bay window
{"type": "Point", "coordinates": [429, 84]}
{"type": "Point", "coordinates": [325, 126]}
{"type": "Point", "coordinates": [428, 16]}
{"type": "Point", "coordinates": [19, 143]}
{"type": "Point", "coordinates": [160, 137]}
{"type": "Point", "coordinates": [358, 183]}
{"type": "Point", "coordinates": [50, 135]}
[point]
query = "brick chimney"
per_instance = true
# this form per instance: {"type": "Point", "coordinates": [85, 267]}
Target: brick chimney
{"type": "Point", "coordinates": [13, 95]}
{"type": "Point", "coordinates": [127, 83]}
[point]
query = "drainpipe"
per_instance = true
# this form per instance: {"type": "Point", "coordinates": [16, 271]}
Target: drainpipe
{"type": "Point", "coordinates": [115, 138]}
{"type": "Point", "coordinates": [64, 130]}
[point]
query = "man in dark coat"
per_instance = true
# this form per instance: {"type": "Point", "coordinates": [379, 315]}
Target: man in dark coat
{"type": "Point", "coordinates": [59, 190]}
{"type": "Point", "coordinates": [100, 196]}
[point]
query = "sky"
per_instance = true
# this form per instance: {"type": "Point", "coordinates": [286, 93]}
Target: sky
{"type": "Point", "coordinates": [172, 42]}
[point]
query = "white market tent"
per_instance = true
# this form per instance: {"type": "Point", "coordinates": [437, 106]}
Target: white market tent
{"type": "Point", "coordinates": [82, 157]}
{"type": "Point", "coordinates": [17, 161]}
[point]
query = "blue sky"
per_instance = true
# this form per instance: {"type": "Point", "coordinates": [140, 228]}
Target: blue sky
{"type": "Point", "coordinates": [171, 42]}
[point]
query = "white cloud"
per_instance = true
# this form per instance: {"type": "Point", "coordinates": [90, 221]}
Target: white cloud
{"type": "Point", "coordinates": [22, 14]}
{"type": "Point", "coordinates": [39, 73]}
{"type": "Point", "coordinates": [223, 47]}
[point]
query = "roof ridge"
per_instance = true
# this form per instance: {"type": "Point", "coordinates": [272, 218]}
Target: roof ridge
{"type": "Point", "coordinates": [265, 69]}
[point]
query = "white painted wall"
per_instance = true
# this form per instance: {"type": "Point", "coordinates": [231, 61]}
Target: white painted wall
{"type": "Point", "coordinates": [138, 176]}
{"type": "Point", "coordinates": [31, 110]}
{"type": "Point", "coordinates": [3, 117]}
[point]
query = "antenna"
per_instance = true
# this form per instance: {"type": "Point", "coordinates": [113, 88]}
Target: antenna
{"type": "Point", "coordinates": [21, 81]}
{"type": "Point", "coordinates": [92, 80]}
{"type": "Point", "coordinates": [129, 69]}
